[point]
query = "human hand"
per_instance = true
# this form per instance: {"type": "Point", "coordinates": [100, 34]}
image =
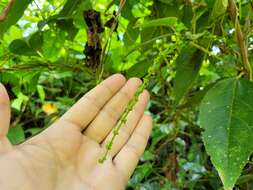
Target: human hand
{"type": "Point", "coordinates": [65, 156]}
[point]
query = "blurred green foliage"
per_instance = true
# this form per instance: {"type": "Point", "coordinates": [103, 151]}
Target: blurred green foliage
{"type": "Point", "coordinates": [42, 64]}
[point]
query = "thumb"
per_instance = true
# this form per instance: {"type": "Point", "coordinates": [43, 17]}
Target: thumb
{"type": "Point", "coordinates": [5, 112]}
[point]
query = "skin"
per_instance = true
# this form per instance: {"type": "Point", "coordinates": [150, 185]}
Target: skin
{"type": "Point", "coordinates": [65, 155]}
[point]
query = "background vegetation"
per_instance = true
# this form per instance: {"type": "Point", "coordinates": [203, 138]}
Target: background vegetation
{"type": "Point", "coordinates": [53, 52]}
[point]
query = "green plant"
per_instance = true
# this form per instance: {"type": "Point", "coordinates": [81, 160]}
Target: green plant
{"type": "Point", "coordinates": [144, 85]}
{"type": "Point", "coordinates": [195, 58]}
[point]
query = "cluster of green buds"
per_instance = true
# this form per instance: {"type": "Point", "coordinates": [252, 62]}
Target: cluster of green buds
{"type": "Point", "coordinates": [151, 71]}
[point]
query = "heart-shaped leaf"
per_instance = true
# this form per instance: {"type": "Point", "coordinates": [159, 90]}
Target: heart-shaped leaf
{"type": "Point", "coordinates": [226, 114]}
{"type": "Point", "coordinates": [21, 47]}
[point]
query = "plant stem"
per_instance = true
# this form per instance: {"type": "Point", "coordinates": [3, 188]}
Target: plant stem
{"type": "Point", "coordinates": [46, 66]}
{"type": "Point", "coordinates": [205, 50]}
{"type": "Point", "coordinates": [108, 41]}
{"type": "Point", "coordinates": [7, 10]}
{"type": "Point", "coordinates": [241, 38]}
{"type": "Point", "coordinates": [132, 103]}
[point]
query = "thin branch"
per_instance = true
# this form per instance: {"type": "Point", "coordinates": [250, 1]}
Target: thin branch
{"type": "Point", "coordinates": [205, 51]}
{"type": "Point", "coordinates": [7, 10]}
{"type": "Point", "coordinates": [40, 11]}
{"type": "Point", "coordinates": [241, 38]}
{"type": "Point", "coordinates": [45, 66]}
{"type": "Point", "coordinates": [108, 41]}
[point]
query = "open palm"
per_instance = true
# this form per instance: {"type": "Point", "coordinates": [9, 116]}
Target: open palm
{"type": "Point", "coordinates": [65, 155]}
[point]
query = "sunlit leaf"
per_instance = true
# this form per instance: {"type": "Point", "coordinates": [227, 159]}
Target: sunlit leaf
{"type": "Point", "coordinates": [167, 21]}
{"type": "Point", "coordinates": [17, 103]}
{"type": "Point", "coordinates": [41, 92]}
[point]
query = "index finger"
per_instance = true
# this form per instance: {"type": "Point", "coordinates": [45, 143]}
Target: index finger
{"type": "Point", "coordinates": [83, 112]}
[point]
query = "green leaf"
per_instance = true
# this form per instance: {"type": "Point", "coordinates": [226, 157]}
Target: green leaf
{"type": "Point", "coordinates": [188, 65]}
{"type": "Point", "coordinates": [187, 15]}
{"type": "Point", "coordinates": [16, 134]}
{"type": "Point", "coordinates": [139, 69]}
{"type": "Point", "coordinates": [167, 21]}
{"type": "Point", "coordinates": [36, 40]}
{"type": "Point", "coordinates": [141, 172]}
{"type": "Point", "coordinates": [210, 3]}
{"type": "Point", "coordinates": [69, 8]}
{"type": "Point", "coordinates": [21, 47]}
{"type": "Point", "coordinates": [53, 44]}
{"type": "Point", "coordinates": [9, 78]}
{"type": "Point", "coordinates": [196, 98]}
{"type": "Point", "coordinates": [15, 14]}
{"type": "Point", "coordinates": [68, 26]}
{"type": "Point", "coordinates": [127, 10]}
{"type": "Point", "coordinates": [168, 8]}
{"type": "Point", "coordinates": [41, 92]}
{"type": "Point", "coordinates": [219, 9]}
{"type": "Point", "coordinates": [245, 179]}
{"type": "Point", "coordinates": [170, 2]}
{"type": "Point", "coordinates": [17, 103]}
{"type": "Point", "coordinates": [31, 81]}
{"type": "Point", "coordinates": [33, 131]}
{"type": "Point", "coordinates": [226, 116]}
{"type": "Point", "coordinates": [131, 34]}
